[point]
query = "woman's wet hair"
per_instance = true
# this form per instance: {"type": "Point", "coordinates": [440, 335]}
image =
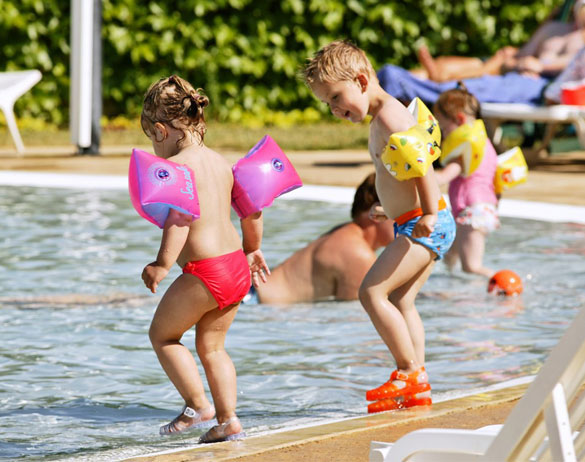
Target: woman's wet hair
{"type": "Point", "coordinates": [365, 196]}
{"type": "Point", "coordinates": [173, 101]}
{"type": "Point", "coordinates": [459, 99]}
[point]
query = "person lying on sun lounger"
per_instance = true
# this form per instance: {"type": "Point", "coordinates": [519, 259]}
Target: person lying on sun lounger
{"type": "Point", "coordinates": [547, 53]}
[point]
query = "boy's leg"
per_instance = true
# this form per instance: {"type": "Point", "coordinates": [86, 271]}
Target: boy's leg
{"type": "Point", "coordinates": [399, 264]}
{"type": "Point", "coordinates": [181, 307]}
{"type": "Point", "coordinates": [471, 246]}
{"type": "Point", "coordinates": [219, 368]}
{"type": "Point", "coordinates": [404, 299]}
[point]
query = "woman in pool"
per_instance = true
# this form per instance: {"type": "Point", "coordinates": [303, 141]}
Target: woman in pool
{"type": "Point", "coordinates": [216, 270]}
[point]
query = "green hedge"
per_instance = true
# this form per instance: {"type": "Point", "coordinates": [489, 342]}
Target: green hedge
{"type": "Point", "coordinates": [246, 54]}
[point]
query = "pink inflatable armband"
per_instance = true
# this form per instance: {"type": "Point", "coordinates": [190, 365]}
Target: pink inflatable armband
{"type": "Point", "coordinates": [157, 185]}
{"type": "Point", "coordinates": [261, 176]}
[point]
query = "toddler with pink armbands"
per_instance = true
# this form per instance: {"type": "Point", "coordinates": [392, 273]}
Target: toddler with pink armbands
{"type": "Point", "coordinates": [187, 190]}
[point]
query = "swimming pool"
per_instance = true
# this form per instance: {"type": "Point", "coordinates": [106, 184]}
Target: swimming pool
{"type": "Point", "coordinates": [80, 380]}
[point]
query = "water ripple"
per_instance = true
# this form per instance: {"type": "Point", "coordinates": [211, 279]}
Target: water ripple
{"type": "Point", "coordinates": [79, 379]}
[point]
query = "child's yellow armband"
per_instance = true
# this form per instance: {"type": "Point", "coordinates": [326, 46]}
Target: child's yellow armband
{"type": "Point", "coordinates": [511, 171]}
{"type": "Point", "coordinates": [409, 153]}
{"type": "Point", "coordinates": [425, 118]}
{"type": "Point", "coordinates": [468, 142]}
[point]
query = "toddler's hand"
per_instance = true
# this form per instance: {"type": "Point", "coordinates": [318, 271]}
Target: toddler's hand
{"type": "Point", "coordinates": [258, 267]}
{"type": "Point", "coordinates": [376, 213]}
{"type": "Point", "coordinates": [425, 226]}
{"type": "Point", "coordinates": [152, 274]}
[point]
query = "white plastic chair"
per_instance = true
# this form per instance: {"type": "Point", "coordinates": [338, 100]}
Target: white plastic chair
{"type": "Point", "coordinates": [12, 86]}
{"type": "Point", "coordinates": [494, 114]}
{"type": "Point", "coordinates": [543, 426]}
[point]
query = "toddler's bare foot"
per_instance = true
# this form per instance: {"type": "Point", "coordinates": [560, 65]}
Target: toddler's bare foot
{"type": "Point", "coordinates": [230, 430]}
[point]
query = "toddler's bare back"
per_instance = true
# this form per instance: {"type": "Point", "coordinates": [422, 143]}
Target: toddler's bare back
{"type": "Point", "coordinates": [213, 234]}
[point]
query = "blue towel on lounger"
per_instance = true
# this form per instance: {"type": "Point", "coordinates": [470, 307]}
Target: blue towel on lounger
{"type": "Point", "coordinates": [508, 88]}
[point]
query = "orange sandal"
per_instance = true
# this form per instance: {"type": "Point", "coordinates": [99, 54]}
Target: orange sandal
{"type": "Point", "coordinates": [411, 385]}
{"type": "Point", "coordinates": [391, 404]}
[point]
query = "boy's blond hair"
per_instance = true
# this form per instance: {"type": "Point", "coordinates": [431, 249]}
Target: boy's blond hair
{"type": "Point", "coordinates": [338, 61]}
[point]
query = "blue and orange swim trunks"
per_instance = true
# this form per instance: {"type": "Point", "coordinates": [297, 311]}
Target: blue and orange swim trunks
{"type": "Point", "coordinates": [227, 277]}
{"type": "Point", "coordinates": [440, 240]}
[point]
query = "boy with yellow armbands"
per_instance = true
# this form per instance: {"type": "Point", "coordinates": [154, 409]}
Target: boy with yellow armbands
{"type": "Point", "coordinates": [341, 76]}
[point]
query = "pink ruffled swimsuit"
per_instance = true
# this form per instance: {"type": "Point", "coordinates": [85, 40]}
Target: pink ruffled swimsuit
{"type": "Point", "coordinates": [476, 189]}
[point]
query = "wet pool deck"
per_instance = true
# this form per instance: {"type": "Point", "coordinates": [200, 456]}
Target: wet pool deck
{"type": "Point", "coordinates": [349, 440]}
{"type": "Point", "coordinates": [559, 179]}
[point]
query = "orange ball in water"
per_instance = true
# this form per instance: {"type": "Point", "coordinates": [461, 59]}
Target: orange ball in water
{"type": "Point", "coordinates": [505, 282]}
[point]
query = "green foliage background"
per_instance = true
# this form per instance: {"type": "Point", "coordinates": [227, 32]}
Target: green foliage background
{"type": "Point", "coordinates": [245, 54]}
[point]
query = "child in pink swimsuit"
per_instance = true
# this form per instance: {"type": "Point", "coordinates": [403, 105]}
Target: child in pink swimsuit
{"type": "Point", "coordinates": [472, 196]}
{"type": "Point", "coordinates": [216, 270]}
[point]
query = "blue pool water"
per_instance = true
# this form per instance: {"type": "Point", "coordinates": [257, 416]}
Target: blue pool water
{"type": "Point", "coordinates": [79, 380]}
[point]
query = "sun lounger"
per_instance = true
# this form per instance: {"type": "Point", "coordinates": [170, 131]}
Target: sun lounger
{"type": "Point", "coordinates": [542, 426]}
{"type": "Point", "coordinates": [505, 89]}
{"type": "Point", "coordinates": [12, 86]}
{"type": "Point", "coordinates": [494, 114]}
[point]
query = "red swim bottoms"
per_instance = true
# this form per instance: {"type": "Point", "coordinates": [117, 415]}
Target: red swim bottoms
{"type": "Point", "coordinates": [227, 277]}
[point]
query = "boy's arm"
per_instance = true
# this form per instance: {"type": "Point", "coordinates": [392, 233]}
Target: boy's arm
{"type": "Point", "coordinates": [252, 228]}
{"type": "Point", "coordinates": [173, 240]}
{"type": "Point", "coordinates": [429, 202]}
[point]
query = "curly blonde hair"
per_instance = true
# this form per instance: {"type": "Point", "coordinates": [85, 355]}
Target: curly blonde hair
{"type": "Point", "coordinates": [338, 61]}
{"type": "Point", "coordinates": [173, 101]}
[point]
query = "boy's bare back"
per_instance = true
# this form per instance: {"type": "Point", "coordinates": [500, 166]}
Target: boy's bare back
{"type": "Point", "coordinates": [213, 233]}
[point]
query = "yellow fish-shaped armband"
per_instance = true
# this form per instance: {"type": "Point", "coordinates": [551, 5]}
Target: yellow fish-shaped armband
{"type": "Point", "coordinates": [426, 119]}
{"type": "Point", "coordinates": [468, 142]}
{"type": "Point", "coordinates": [410, 153]}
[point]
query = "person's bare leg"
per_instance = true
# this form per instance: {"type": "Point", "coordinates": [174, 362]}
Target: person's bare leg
{"type": "Point", "coordinates": [398, 264]}
{"type": "Point", "coordinates": [181, 307]}
{"type": "Point", "coordinates": [419, 73]}
{"type": "Point", "coordinates": [452, 256]}
{"type": "Point", "coordinates": [495, 64]}
{"type": "Point", "coordinates": [404, 299]}
{"type": "Point", "coordinates": [471, 243]}
{"type": "Point", "coordinates": [428, 63]}
{"type": "Point", "coordinates": [219, 368]}
{"type": "Point", "coordinates": [443, 68]}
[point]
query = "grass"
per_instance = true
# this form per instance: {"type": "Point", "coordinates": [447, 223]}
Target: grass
{"type": "Point", "coordinates": [319, 136]}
